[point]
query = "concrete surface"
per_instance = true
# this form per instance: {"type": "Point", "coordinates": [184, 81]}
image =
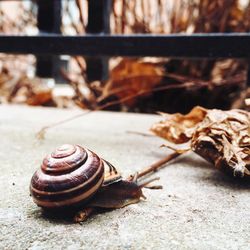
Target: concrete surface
{"type": "Point", "coordinates": [198, 208]}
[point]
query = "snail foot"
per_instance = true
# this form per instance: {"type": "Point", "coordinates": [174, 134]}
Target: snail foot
{"type": "Point", "coordinates": [83, 214]}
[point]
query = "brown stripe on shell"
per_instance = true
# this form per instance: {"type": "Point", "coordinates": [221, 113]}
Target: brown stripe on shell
{"type": "Point", "coordinates": [63, 190]}
{"type": "Point", "coordinates": [111, 175]}
{"type": "Point", "coordinates": [69, 193]}
{"type": "Point", "coordinates": [64, 151]}
{"type": "Point", "coordinates": [64, 159]}
{"type": "Point", "coordinates": [73, 201]}
{"type": "Point", "coordinates": [56, 183]}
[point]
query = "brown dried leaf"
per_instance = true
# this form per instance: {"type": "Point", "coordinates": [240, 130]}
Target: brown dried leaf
{"type": "Point", "coordinates": [41, 97]}
{"type": "Point", "coordinates": [131, 77]}
{"type": "Point", "coordinates": [178, 128]}
{"type": "Point", "coordinates": [229, 134]}
{"type": "Point", "coordinates": [221, 137]}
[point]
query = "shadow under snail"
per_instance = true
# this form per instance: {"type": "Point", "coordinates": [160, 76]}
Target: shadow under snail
{"type": "Point", "coordinates": [73, 178]}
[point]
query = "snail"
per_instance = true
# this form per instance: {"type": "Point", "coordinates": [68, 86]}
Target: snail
{"type": "Point", "coordinates": [73, 178]}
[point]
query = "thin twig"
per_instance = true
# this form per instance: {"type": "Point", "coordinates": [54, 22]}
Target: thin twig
{"type": "Point", "coordinates": [41, 133]}
{"type": "Point", "coordinates": [80, 6]}
{"type": "Point", "coordinates": [139, 133]}
{"type": "Point", "coordinates": [155, 166]}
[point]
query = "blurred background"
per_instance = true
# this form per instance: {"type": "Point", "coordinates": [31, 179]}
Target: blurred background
{"type": "Point", "coordinates": [124, 84]}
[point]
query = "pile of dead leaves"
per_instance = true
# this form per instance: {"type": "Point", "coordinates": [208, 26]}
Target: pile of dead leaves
{"type": "Point", "coordinates": [20, 89]}
{"type": "Point", "coordinates": [221, 137]}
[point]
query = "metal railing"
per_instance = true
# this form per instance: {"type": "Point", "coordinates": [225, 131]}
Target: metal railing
{"type": "Point", "coordinates": [100, 46]}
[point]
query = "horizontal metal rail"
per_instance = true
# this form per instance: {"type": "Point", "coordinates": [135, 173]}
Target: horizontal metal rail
{"type": "Point", "coordinates": [213, 45]}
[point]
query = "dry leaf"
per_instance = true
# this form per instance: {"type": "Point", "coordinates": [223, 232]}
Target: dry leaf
{"type": "Point", "coordinates": [221, 137]}
{"type": "Point", "coordinates": [41, 97]}
{"type": "Point", "coordinates": [178, 128]}
{"type": "Point", "coordinates": [131, 77]}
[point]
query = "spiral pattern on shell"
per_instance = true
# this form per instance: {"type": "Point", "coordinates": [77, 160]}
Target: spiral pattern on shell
{"type": "Point", "coordinates": [68, 177]}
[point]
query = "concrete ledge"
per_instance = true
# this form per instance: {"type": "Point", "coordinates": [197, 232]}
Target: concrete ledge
{"type": "Point", "coordinates": [198, 208]}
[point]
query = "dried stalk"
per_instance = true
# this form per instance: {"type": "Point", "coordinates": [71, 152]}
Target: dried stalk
{"type": "Point", "coordinates": [201, 84]}
{"type": "Point", "coordinates": [155, 166]}
{"type": "Point", "coordinates": [41, 133]}
{"type": "Point", "coordinates": [80, 6]}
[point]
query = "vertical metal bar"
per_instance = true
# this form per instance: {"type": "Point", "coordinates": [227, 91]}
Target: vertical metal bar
{"type": "Point", "coordinates": [248, 75]}
{"type": "Point", "coordinates": [49, 21]}
{"type": "Point", "coordinates": [98, 22]}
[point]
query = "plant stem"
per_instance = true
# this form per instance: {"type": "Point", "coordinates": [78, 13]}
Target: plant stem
{"type": "Point", "coordinates": [155, 166]}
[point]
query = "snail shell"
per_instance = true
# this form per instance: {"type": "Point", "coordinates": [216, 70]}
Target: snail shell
{"type": "Point", "coordinates": [70, 176]}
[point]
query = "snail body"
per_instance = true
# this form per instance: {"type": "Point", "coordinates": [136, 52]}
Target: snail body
{"type": "Point", "coordinates": [73, 177]}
